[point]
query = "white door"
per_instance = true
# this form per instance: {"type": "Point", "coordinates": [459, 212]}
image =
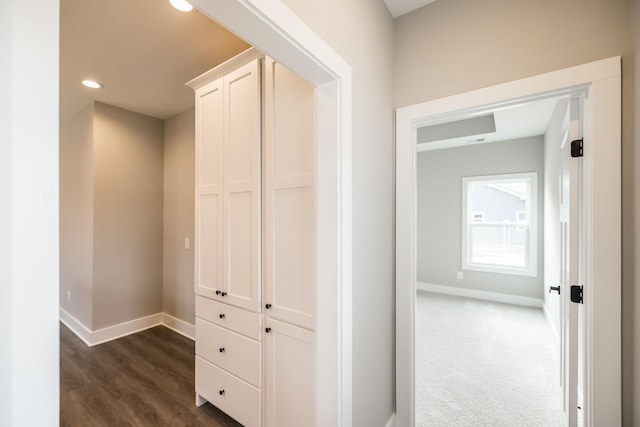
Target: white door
{"type": "Point", "coordinates": [209, 183]}
{"type": "Point", "coordinates": [289, 386]}
{"type": "Point", "coordinates": [289, 197]}
{"type": "Point", "coordinates": [242, 180]}
{"type": "Point", "coordinates": [570, 231]}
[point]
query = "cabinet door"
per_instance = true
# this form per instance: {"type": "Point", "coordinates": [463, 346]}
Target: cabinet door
{"type": "Point", "coordinates": [242, 181]}
{"type": "Point", "coordinates": [289, 391]}
{"type": "Point", "coordinates": [209, 184]}
{"type": "Point", "coordinates": [289, 197]}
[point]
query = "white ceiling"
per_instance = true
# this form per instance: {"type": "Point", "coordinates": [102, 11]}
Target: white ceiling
{"type": "Point", "coordinates": [142, 51]}
{"type": "Point", "coordinates": [517, 121]}
{"type": "Point", "coordinates": [401, 7]}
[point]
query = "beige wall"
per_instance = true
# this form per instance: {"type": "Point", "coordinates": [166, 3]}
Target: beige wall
{"type": "Point", "coordinates": [631, 296]}
{"type": "Point", "coordinates": [361, 31]}
{"type": "Point", "coordinates": [126, 185]}
{"type": "Point", "coordinates": [179, 154]}
{"type": "Point", "coordinates": [76, 215]}
{"type": "Point", "coordinates": [455, 46]}
{"type": "Point", "coordinates": [128, 174]}
{"type": "Point", "coordinates": [439, 197]}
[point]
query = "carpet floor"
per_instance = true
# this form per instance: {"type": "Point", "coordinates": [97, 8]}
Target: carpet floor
{"type": "Point", "coordinates": [482, 363]}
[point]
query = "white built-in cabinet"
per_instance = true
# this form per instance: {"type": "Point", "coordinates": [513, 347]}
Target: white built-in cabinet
{"type": "Point", "coordinates": [255, 248]}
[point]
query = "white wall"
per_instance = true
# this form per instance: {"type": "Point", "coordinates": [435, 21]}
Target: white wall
{"type": "Point", "coordinates": [29, 360]}
{"type": "Point", "coordinates": [552, 140]}
{"type": "Point", "coordinates": [361, 31]}
{"type": "Point", "coordinates": [439, 197]}
{"type": "Point", "coordinates": [76, 216]}
{"type": "Point", "coordinates": [179, 158]}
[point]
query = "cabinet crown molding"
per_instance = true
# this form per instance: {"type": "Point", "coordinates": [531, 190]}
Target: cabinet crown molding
{"type": "Point", "coordinates": [225, 68]}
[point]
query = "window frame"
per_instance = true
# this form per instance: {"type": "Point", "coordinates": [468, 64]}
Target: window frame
{"type": "Point", "coordinates": [531, 270]}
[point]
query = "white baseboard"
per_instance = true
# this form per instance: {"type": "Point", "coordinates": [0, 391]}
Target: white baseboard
{"type": "Point", "coordinates": [120, 330]}
{"type": "Point", "coordinates": [392, 421]}
{"type": "Point", "coordinates": [484, 295]}
{"type": "Point", "coordinates": [76, 326]}
{"type": "Point", "coordinates": [180, 326]}
{"type": "Point", "coordinates": [547, 316]}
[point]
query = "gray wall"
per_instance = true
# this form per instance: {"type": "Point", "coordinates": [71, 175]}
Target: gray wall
{"type": "Point", "coordinates": [454, 46]}
{"type": "Point", "coordinates": [361, 31]}
{"type": "Point", "coordinates": [128, 175]}
{"type": "Point", "coordinates": [76, 215]}
{"type": "Point", "coordinates": [439, 180]}
{"type": "Point", "coordinates": [179, 154]}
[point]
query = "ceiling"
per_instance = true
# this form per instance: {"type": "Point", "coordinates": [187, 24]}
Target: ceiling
{"type": "Point", "coordinates": [401, 7]}
{"type": "Point", "coordinates": [517, 121]}
{"type": "Point", "coordinates": [142, 51]}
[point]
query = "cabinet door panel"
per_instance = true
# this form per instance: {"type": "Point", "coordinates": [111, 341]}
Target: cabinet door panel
{"type": "Point", "coordinates": [209, 196]}
{"type": "Point", "coordinates": [208, 245]}
{"type": "Point", "coordinates": [289, 197]}
{"type": "Point", "coordinates": [242, 181]}
{"type": "Point", "coordinates": [289, 387]}
{"type": "Point", "coordinates": [241, 273]}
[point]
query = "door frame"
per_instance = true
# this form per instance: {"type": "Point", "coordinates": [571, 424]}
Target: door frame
{"type": "Point", "coordinates": [602, 224]}
{"type": "Point", "coordinates": [32, 322]}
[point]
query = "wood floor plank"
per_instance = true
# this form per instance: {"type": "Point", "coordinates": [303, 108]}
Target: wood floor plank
{"type": "Point", "coordinates": [144, 379]}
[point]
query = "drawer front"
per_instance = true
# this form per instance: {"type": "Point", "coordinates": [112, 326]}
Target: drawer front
{"type": "Point", "coordinates": [238, 320]}
{"type": "Point", "coordinates": [232, 395]}
{"type": "Point", "coordinates": [229, 350]}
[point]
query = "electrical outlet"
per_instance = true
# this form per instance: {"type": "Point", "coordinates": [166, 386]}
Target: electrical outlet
{"type": "Point", "coordinates": [187, 243]}
{"type": "Point", "coordinates": [68, 296]}
{"type": "Point", "coordinates": [460, 275]}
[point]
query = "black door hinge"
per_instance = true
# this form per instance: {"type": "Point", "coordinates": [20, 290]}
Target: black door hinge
{"type": "Point", "coordinates": [576, 148]}
{"type": "Point", "coordinates": [576, 294]}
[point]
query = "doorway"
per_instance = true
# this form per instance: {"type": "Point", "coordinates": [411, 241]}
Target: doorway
{"type": "Point", "coordinates": [485, 208]}
{"type": "Point", "coordinates": [601, 82]}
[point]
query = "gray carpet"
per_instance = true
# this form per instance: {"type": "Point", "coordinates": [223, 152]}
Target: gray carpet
{"type": "Point", "coordinates": [482, 363]}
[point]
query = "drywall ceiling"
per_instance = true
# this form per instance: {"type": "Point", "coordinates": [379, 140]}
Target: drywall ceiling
{"type": "Point", "coordinates": [400, 7]}
{"type": "Point", "coordinates": [513, 122]}
{"type": "Point", "coordinates": [142, 51]}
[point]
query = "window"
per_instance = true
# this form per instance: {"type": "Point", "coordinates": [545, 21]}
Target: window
{"type": "Point", "coordinates": [499, 223]}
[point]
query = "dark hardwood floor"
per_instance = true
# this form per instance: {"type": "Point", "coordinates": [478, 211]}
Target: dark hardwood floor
{"type": "Point", "coordinates": [145, 379]}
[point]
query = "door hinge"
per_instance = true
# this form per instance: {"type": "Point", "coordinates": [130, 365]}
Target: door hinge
{"type": "Point", "coordinates": [576, 148]}
{"type": "Point", "coordinates": [576, 294]}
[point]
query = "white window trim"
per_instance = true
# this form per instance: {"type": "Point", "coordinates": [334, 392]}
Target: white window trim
{"type": "Point", "coordinates": [532, 249]}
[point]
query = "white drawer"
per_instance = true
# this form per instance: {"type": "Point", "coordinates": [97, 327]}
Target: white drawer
{"type": "Point", "coordinates": [229, 350]}
{"type": "Point", "coordinates": [232, 395]}
{"type": "Point", "coordinates": [239, 320]}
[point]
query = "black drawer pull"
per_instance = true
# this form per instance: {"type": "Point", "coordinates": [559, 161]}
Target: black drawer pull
{"type": "Point", "coordinates": [221, 349]}
{"type": "Point", "coordinates": [267, 306]}
{"type": "Point", "coordinates": [221, 392]}
{"type": "Point", "coordinates": [267, 330]}
{"type": "Point", "coordinates": [224, 294]}
{"type": "Point", "coordinates": [218, 292]}
{"type": "Point", "coordinates": [221, 315]}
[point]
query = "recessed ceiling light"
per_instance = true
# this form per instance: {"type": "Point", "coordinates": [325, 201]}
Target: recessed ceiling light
{"type": "Point", "coordinates": [92, 84]}
{"type": "Point", "coordinates": [181, 5]}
